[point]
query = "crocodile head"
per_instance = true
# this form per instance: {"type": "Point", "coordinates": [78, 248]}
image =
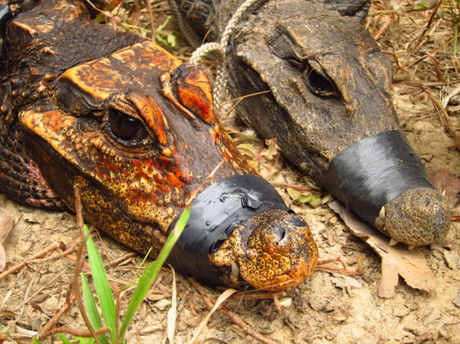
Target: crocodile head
{"type": "Point", "coordinates": [134, 130]}
{"type": "Point", "coordinates": [328, 94]}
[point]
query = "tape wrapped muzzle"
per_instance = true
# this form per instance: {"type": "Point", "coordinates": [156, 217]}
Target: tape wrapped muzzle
{"type": "Point", "coordinates": [374, 171]}
{"type": "Point", "coordinates": [214, 214]}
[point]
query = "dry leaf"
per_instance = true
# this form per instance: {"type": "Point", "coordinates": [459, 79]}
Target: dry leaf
{"type": "Point", "coordinates": [172, 313]}
{"type": "Point", "coordinates": [193, 322]}
{"type": "Point", "coordinates": [446, 182]}
{"type": "Point", "coordinates": [396, 260]}
{"type": "Point", "coordinates": [150, 329]}
{"type": "Point", "coordinates": [344, 282]}
{"type": "Point", "coordinates": [2, 258]}
{"type": "Point", "coordinates": [162, 304]}
{"type": "Point", "coordinates": [6, 223]}
{"type": "Point", "coordinates": [7, 313]}
{"type": "Point", "coordinates": [224, 296]}
{"type": "Point", "coordinates": [155, 296]}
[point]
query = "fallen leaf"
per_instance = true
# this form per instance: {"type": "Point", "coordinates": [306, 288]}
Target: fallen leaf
{"type": "Point", "coordinates": [344, 282]}
{"type": "Point", "coordinates": [2, 257]}
{"type": "Point", "coordinates": [7, 313]}
{"type": "Point", "coordinates": [193, 322]}
{"type": "Point", "coordinates": [150, 329]}
{"type": "Point", "coordinates": [446, 182]}
{"type": "Point", "coordinates": [6, 223]}
{"type": "Point", "coordinates": [162, 304]}
{"type": "Point", "coordinates": [396, 260]}
{"type": "Point", "coordinates": [224, 296]}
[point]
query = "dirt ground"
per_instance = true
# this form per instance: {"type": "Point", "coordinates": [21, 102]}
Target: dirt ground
{"type": "Point", "coordinates": [330, 307]}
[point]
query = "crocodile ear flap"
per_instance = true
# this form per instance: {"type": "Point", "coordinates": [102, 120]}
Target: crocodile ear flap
{"type": "Point", "coordinates": [192, 87]}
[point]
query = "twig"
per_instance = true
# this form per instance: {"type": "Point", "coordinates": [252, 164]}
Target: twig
{"type": "Point", "coordinates": [47, 328]}
{"type": "Point", "coordinates": [28, 290]}
{"type": "Point", "coordinates": [43, 252]}
{"type": "Point", "coordinates": [323, 267]}
{"type": "Point", "coordinates": [425, 30]}
{"type": "Point", "coordinates": [106, 252]}
{"type": "Point", "coordinates": [152, 22]}
{"type": "Point", "coordinates": [444, 118]}
{"type": "Point", "coordinates": [122, 258]}
{"type": "Point", "coordinates": [383, 29]}
{"type": "Point", "coordinates": [76, 284]}
{"type": "Point", "coordinates": [443, 115]}
{"type": "Point", "coordinates": [77, 333]}
{"type": "Point", "coordinates": [47, 285]}
{"type": "Point", "coordinates": [432, 54]}
{"type": "Point", "coordinates": [226, 310]}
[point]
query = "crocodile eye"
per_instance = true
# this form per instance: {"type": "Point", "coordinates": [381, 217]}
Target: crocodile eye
{"type": "Point", "coordinates": [319, 85]}
{"type": "Point", "coordinates": [125, 127]}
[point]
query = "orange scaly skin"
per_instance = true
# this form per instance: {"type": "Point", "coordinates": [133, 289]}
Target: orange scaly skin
{"type": "Point", "coordinates": [124, 121]}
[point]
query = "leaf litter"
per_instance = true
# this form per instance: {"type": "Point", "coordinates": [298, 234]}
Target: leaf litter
{"type": "Point", "coordinates": [320, 311]}
{"type": "Point", "coordinates": [397, 260]}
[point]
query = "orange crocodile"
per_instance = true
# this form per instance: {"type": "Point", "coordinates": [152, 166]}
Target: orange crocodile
{"type": "Point", "coordinates": [133, 128]}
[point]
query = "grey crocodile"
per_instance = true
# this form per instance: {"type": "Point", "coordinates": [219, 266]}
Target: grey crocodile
{"type": "Point", "coordinates": [329, 105]}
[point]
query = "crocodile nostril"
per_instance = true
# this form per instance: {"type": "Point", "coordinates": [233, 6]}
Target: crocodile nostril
{"type": "Point", "coordinates": [280, 232]}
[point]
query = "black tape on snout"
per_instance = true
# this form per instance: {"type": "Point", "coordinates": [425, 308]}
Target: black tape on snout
{"type": "Point", "coordinates": [374, 171]}
{"type": "Point", "coordinates": [214, 214]}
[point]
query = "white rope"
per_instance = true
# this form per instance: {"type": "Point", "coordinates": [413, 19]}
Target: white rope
{"type": "Point", "coordinates": [221, 92]}
{"type": "Point", "coordinates": [192, 38]}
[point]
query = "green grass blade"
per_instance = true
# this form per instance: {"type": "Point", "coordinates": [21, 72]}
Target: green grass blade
{"type": "Point", "coordinates": [102, 285]}
{"type": "Point", "coordinates": [36, 341]}
{"type": "Point", "coordinates": [91, 308]}
{"type": "Point", "coordinates": [151, 272]}
{"type": "Point", "coordinates": [455, 39]}
{"type": "Point", "coordinates": [64, 339]}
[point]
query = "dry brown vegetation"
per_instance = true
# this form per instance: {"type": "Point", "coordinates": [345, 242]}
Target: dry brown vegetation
{"type": "Point", "coordinates": [331, 307]}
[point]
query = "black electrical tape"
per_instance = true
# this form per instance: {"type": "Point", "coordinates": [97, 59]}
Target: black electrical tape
{"type": "Point", "coordinates": [214, 214]}
{"type": "Point", "coordinates": [374, 171]}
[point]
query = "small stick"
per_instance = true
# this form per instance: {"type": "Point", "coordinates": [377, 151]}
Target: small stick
{"type": "Point", "coordinates": [383, 29]}
{"type": "Point", "coordinates": [47, 328]}
{"type": "Point", "coordinates": [74, 259]}
{"type": "Point", "coordinates": [122, 258]}
{"type": "Point", "coordinates": [427, 27]}
{"type": "Point", "coordinates": [323, 267]}
{"type": "Point", "coordinates": [332, 260]}
{"type": "Point", "coordinates": [75, 282]}
{"type": "Point", "coordinates": [234, 318]}
{"type": "Point", "coordinates": [152, 22]}
{"type": "Point", "coordinates": [43, 252]}
{"type": "Point", "coordinates": [77, 333]}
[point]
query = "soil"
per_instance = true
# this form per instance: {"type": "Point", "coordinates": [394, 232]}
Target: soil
{"type": "Point", "coordinates": [330, 307]}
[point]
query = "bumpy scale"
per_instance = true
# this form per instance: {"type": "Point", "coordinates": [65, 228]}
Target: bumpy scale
{"type": "Point", "coordinates": [124, 121]}
{"type": "Point", "coordinates": [326, 100]}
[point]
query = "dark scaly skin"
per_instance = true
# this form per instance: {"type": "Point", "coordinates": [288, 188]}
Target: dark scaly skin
{"type": "Point", "coordinates": [122, 120]}
{"type": "Point", "coordinates": [286, 46]}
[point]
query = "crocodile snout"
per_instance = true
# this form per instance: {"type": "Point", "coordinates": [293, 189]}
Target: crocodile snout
{"type": "Point", "coordinates": [417, 217]}
{"type": "Point", "coordinates": [280, 251]}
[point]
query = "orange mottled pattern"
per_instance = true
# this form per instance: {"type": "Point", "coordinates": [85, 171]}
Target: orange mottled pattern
{"type": "Point", "coordinates": [151, 181]}
{"type": "Point", "coordinates": [134, 130]}
{"type": "Point", "coordinates": [273, 251]}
